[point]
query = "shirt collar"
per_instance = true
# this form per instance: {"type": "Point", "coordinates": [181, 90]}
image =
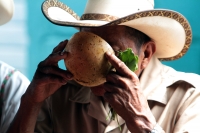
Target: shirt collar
{"type": "Point", "coordinates": [157, 77]}
{"type": "Point", "coordinates": [82, 95]}
{"type": "Point", "coordinates": [96, 108]}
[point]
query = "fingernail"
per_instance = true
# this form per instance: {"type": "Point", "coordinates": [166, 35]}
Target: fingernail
{"type": "Point", "coordinates": [65, 83]}
{"type": "Point", "coordinates": [62, 52]}
{"type": "Point", "coordinates": [108, 53]}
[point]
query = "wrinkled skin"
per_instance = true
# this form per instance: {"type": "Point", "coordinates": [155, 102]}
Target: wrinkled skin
{"type": "Point", "coordinates": [49, 77]}
{"type": "Point", "coordinates": [121, 90]}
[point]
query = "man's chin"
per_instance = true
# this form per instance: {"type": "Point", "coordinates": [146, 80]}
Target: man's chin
{"type": "Point", "coordinates": [98, 90]}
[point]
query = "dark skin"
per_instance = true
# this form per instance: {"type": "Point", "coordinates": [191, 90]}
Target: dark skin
{"type": "Point", "coordinates": [121, 90]}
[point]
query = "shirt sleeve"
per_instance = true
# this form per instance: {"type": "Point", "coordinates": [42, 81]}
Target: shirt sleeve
{"type": "Point", "coordinates": [14, 87]}
{"type": "Point", "coordinates": [189, 115]}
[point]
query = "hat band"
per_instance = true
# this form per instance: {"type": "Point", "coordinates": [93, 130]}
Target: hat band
{"type": "Point", "coordinates": [102, 17]}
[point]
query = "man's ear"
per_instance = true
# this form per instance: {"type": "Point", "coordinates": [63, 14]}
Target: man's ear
{"type": "Point", "coordinates": [148, 50]}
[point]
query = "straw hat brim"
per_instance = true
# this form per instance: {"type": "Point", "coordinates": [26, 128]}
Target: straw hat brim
{"type": "Point", "coordinates": [169, 29]}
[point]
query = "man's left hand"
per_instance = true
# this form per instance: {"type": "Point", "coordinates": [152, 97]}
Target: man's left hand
{"type": "Point", "coordinates": [124, 94]}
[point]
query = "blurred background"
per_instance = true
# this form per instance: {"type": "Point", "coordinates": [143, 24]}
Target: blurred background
{"type": "Point", "coordinates": [29, 37]}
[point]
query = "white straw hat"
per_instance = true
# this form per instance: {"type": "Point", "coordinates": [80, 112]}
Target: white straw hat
{"type": "Point", "coordinates": [169, 29]}
{"type": "Point", "coordinates": [6, 11]}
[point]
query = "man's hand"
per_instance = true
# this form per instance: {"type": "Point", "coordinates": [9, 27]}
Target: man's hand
{"type": "Point", "coordinates": [124, 94]}
{"type": "Point", "coordinates": [47, 79]}
{"type": "Point", "coordinates": [48, 76]}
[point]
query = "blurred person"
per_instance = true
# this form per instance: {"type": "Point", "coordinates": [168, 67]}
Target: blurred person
{"type": "Point", "coordinates": [12, 82]}
{"type": "Point", "coordinates": [154, 99]}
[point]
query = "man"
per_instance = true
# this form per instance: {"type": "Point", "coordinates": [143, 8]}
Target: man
{"type": "Point", "coordinates": [12, 82]}
{"type": "Point", "coordinates": [153, 99]}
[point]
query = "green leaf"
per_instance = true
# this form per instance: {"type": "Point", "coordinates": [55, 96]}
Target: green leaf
{"type": "Point", "coordinates": [129, 58]}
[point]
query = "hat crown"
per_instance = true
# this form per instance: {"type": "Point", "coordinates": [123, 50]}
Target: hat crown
{"type": "Point", "coordinates": [118, 8]}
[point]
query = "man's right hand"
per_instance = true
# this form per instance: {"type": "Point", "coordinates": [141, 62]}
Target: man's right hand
{"type": "Point", "coordinates": [48, 76]}
{"type": "Point", "coordinates": [47, 79]}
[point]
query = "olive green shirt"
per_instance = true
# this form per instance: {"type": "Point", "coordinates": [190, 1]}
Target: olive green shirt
{"type": "Point", "coordinates": [173, 97]}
